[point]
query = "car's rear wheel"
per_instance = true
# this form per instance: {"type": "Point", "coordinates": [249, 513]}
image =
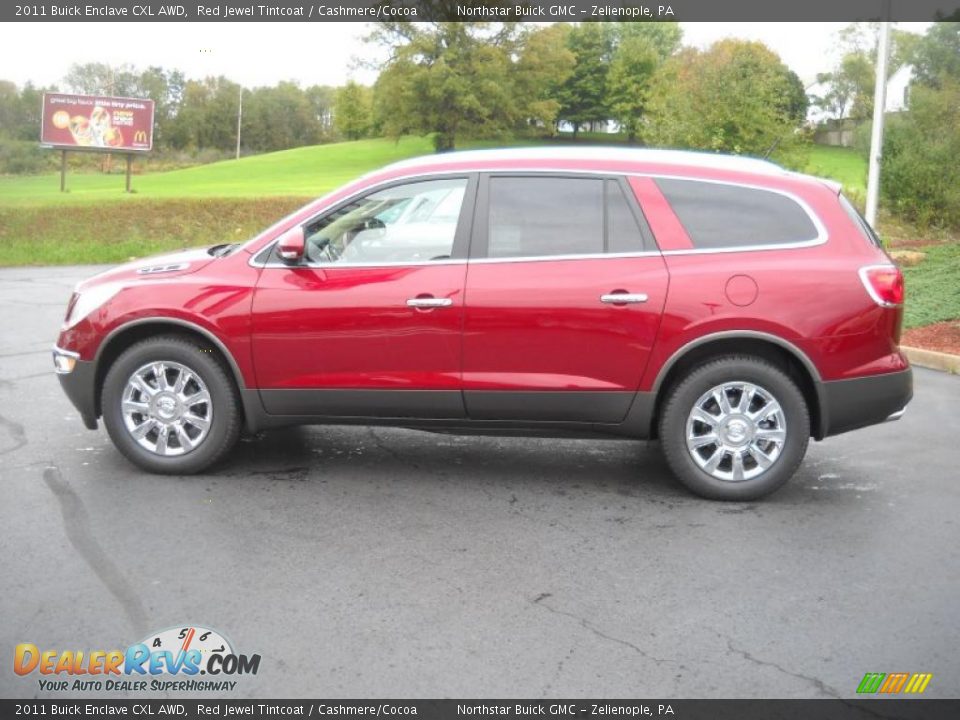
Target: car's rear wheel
{"type": "Point", "coordinates": [735, 428]}
{"type": "Point", "coordinates": [170, 406]}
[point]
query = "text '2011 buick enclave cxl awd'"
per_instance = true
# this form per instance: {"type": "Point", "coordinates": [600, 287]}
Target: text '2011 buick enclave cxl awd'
{"type": "Point", "coordinates": [723, 305]}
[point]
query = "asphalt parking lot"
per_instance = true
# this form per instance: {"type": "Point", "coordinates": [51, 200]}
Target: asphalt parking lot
{"type": "Point", "coordinates": [393, 563]}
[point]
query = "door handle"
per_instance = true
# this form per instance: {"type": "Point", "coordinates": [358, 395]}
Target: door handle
{"type": "Point", "coordinates": [429, 302]}
{"type": "Point", "coordinates": [622, 298]}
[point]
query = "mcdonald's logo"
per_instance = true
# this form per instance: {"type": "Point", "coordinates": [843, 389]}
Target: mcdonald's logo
{"type": "Point", "coordinates": [894, 683]}
{"type": "Point", "coordinates": [140, 136]}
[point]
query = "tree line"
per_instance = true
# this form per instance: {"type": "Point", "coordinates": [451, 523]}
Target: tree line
{"type": "Point", "coordinates": [465, 80]}
{"type": "Point", "coordinates": [189, 114]}
{"type": "Point", "coordinates": [459, 81]}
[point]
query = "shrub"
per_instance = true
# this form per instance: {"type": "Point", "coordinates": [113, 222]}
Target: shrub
{"type": "Point", "coordinates": [920, 175]}
{"type": "Point", "coordinates": [22, 157]}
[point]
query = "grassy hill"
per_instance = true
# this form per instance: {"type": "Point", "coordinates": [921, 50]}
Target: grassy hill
{"type": "Point", "coordinates": [301, 172]}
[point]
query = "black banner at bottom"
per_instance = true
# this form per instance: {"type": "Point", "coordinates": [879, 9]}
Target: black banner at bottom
{"type": "Point", "coordinates": [913, 709]}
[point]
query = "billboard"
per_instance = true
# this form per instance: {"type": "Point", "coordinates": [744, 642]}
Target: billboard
{"type": "Point", "coordinates": [97, 122]}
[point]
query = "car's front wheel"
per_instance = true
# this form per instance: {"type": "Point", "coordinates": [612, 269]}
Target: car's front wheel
{"type": "Point", "coordinates": [735, 428]}
{"type": "Point", "coordinates": [169, 406]}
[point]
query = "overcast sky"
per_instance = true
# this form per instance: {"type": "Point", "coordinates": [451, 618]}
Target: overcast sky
{"type": "Point", "coordinates": [312, 53]}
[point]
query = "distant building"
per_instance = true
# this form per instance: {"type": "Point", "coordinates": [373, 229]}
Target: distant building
{"type": "Point", "coordinates": [898, 89]}
{"type": "Point", "coordinates": [830, 131]}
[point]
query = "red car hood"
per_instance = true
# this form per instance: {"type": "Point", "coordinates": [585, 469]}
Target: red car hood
{"type": "Point", "coordinates": [168, 265]}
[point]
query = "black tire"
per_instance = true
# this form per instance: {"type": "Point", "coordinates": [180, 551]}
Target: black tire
{"type": "Point", "coordinates": [681, 400]}
{"type": "Point", "coordinates": [224, 428]}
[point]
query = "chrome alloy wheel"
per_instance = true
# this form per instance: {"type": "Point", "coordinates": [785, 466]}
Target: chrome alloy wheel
{"type": "Point", "coordinates": [736, 431]}
{"type": "Point", "coordinates": [166, 408]}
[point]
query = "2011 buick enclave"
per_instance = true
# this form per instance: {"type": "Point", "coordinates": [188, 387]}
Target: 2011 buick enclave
{"type": "Point", "coordinates": [724, 305]}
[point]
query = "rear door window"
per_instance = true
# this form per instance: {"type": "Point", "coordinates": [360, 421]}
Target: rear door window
{"type": "Point", "coordinates": [719, 216]}
{"type": "Point", "coordinates": [531, 217]}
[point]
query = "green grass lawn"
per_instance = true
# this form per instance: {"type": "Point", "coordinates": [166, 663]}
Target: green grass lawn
{"type": "Point", "coordinates": [845, 165]}
{"type": "Point", "coordinates": [302, 172]}
{"type": "Point", "coordinates": [933, 286]}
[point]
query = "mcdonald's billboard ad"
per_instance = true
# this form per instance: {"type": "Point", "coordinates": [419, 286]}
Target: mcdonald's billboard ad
{"type": "Point", "coordinates": [97, 122]}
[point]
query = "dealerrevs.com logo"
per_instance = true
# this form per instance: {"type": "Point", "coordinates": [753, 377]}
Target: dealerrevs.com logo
{"type": "Point", "coordinates": [169, 660]}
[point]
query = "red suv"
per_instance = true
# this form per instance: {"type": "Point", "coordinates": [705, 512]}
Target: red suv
{"type": "Point", "coordinates": [724, 305]}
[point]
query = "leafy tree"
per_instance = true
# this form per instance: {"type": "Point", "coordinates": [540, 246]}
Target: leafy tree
{"type": "Point", "coordinates": [936, 56]}
{"type": "Point", "coordinates": [583, 97]}
{"type": "Point", "coordinates": [628, 82]}
{"type": "Point", "coordinates": [20, 129]}
{"type": "Point", "coordinates": [102, 79]}
{"type": "Point", "coordinates": [641, 48]}
{"type": "Point", "coordinates": [737, 96]}
{"type": "Point", "coordinates": [165, 88]}
{"type": "Point", "coordinates": [278, 117]}
{"type": "Point", "coordinates": [20, 111]}
{"type": "Point", "coordinates": [207, 117]}
{"type": "Point", "coordinates": [31, 111]}
{"type": "Point", "coordinates": [850, 85]}
{"type": "Point", "coordinates": [9, 108]}
{"type": "Point", "coordinates": [321, 99]}
{"type": "Point", "coordinates": [543, 65]}
{"type": "Point", "coordinates": [665, 37]}
{"type": "Point", "coordinates": [920, 175]}
{"type": "Point", "coordinates": [450, 79]}
{"type": "Point", "coordinates": [353, 111]}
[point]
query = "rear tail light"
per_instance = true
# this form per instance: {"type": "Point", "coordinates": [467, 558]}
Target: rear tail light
{"type": "Point", "coordinates": [884, 283]}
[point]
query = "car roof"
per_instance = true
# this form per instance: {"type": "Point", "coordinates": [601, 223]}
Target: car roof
{"type": "Point", "coordinates": [593, 154]}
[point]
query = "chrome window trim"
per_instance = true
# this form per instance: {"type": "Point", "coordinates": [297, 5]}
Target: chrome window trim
{"type": "Point", "coordinates": [747, 248]}
{"type": "Point", "coordinates": [553, 258]}
{"type": "Point", "coordinates": [820, 239]}
{"type": "Point", "coordinates": [334, 266]}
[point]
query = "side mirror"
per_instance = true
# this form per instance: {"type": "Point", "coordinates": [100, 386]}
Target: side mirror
{"type": "Point", "coordinates": [291, 245]}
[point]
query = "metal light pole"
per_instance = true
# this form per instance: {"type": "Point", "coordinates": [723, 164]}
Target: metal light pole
{"type": "Point", "coordinates": [879, 104]}
{"type": "Point", "coordinates": [239, 117]}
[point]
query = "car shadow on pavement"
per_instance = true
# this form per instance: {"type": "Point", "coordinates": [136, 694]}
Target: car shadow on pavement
{"type": "Point", "coordinates": [629, 468]}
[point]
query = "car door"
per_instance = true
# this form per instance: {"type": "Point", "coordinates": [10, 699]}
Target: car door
{"type": "Point", "coordinates": [369, 323]}
{"type": "Point", "coordinates": [564, 294]}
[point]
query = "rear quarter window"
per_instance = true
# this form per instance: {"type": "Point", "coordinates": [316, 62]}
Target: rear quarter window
{"type": "Point", "coordinates": [718, 216]}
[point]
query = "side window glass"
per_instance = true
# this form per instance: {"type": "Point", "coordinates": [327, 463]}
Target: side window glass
{"type": "Point", "coordinates": [623, 232]}
{"type": "Point", "coordinates": [543, 216]}
{"type": "Point", "coordinates": [718, 216]}
{"type": "Point", "coordinates": [414, 222]}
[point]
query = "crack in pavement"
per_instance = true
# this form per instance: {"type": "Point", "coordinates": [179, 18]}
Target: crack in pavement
{"type": "Point", "coordinates": [820, 685]}
{"type": "Point", "coordinates": [76, 524]}
{"type": "Point", "coordinates": [587, 625]}
{"type": "Point", "coordinates": [557, 672]}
